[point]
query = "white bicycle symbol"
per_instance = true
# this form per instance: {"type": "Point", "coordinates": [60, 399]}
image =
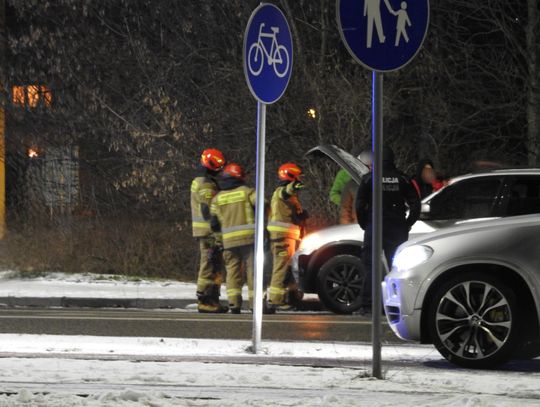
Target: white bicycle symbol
{"type": "Point", "coordinates": [278, 56]}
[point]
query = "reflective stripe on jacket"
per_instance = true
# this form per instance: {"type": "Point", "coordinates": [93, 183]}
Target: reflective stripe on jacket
{"type": "Point", "coordinates": [285, 210]}
{"type": "Point", "coordinates": [234, 210]}
{"type": "Point", "coordinates": [283, 229]}
{"type": "Point", "coordinates": [202, 191]}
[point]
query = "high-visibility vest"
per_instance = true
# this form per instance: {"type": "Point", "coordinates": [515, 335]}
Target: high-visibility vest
{"type": "Point", "coordinates": [281, 223]}
{"type": "Point", "coordinates": [234, 209]}
{"type": "Point", "coordinates": [202, 192]}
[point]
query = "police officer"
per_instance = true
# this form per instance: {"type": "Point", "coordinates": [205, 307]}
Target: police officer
{"type": "Point", "coordinates": [203, 189]}
{"type": "Point", "coordinates": [233, 216]}
{"type": "Point", "coordinates": [284, 228]}
{"type": "Point", "coordinates": [398, 196]}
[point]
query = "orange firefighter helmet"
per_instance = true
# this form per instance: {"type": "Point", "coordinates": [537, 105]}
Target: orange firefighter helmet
{"type": "Point", "coordinates": [212, 159]}
{"type": "Point", "coordinates": [289, 172]}
{"type": "Point", "coordinates": [234, 170]}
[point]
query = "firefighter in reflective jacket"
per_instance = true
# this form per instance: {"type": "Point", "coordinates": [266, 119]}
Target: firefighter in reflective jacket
{"type": "Point", "coordinates": [203, 189]}
{"type": "Point", "coordinates": [285, 228]}
{"type": "Point", "coordinates": [233, 216]}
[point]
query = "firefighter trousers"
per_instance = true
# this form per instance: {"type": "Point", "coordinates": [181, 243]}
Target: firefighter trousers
{"type": "Point", "coordinates": [282, 251]}
{"type": "Point", "coordinates": [210, 270]}
{"type": "Point", "coordinates": [239, 267]}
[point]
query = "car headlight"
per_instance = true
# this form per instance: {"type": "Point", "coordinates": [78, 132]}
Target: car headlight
{"type": "Point", "coordinates": [310, 243]}
{"type": "Point", "coordinates": [411, 257]}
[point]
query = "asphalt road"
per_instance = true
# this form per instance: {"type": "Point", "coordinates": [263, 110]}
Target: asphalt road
{"type": "Point", "coordinates": [182, 324]}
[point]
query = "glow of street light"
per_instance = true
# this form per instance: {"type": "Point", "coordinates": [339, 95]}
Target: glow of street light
{"type": "Point", "coordinates": [33, 153]}
{"type": "Point", "coordinates": [312, 113]}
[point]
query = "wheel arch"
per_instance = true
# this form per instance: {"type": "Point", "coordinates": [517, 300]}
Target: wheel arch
{"type": "Point", "coordinates": [333, 249]}
{"type": "Point", "coordinates": [507, 274]}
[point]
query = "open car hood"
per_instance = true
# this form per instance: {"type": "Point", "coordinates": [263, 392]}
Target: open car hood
{"type": "Point", "coordinates": [348, 162]}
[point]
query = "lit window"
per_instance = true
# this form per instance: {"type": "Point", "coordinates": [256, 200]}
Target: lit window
{"type": "Point", "coordinates": [19, 95]}
{"type": "Point", "coordinates": [31, 95]}
{"type": "Point", "coordinates": [32, 91]}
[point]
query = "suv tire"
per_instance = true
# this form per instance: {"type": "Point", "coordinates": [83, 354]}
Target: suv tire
{"type": "Point", "coordinates": [474, 320]}
{"type": "Point", "coordinates": [340, 283]}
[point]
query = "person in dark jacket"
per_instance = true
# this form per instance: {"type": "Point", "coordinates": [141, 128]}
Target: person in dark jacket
{"type": "Point", "coordinates": [398, 196]}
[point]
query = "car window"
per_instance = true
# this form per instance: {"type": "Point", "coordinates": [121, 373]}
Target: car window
{"type": "Point", "coordinates": [469, 199]}
{"type": "Point", "coordinates": [524, 196]}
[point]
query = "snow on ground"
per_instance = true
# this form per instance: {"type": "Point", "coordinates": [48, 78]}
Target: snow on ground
{"type": "Point", "coordinates": [123, 383]}
{"type": "Point", "coordinates": [58, 285]}
{"type": "Point", "coordinates": [91, 286]}
{"type": "Point", "coordinates": [178, 347]}
{"type": "Point", "coordinates": [425, 380]}
{"type": "Point", "coordinates": [44, 370]}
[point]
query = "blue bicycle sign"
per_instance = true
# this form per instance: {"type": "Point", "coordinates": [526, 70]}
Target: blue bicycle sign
{"type": "Point", "coordinates": [278, 56]}
{"type": "Point", "coordinates": [268, 53]}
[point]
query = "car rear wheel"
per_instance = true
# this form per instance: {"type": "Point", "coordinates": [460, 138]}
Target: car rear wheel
{"type": "Point", "coordinates": [474, 321]}
{"type": "Point", "coordinates": [340, 283]}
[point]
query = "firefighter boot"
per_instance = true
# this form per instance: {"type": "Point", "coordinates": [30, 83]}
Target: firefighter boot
{"type": "Point", "coordinates": [235, 305]}
{"type": "Point", "coordinates": [207, 305]}
{"type": "Point", "coordinates": [215, 293]}
{"type": "Point", "coordinates": [268, 309]}
{"type": "Point", "coordinates": [294, 295]}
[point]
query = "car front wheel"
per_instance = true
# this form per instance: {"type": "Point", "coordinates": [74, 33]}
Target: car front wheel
{"type": "Point", "coordinates": [340, 283]}
{"type": "Point", "coordinates": [474, 321]}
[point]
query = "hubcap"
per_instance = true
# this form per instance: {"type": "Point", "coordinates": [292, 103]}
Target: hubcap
{"type": "Point", "coordinates": [345, 283]}
{"type": "Point", "coordinates": [473, 320]}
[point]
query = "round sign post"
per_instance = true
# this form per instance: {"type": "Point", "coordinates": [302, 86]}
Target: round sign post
{"type": "Point", "coordinates": [268, 61]}
{"type": "Point", "coordinates": [383, 36]}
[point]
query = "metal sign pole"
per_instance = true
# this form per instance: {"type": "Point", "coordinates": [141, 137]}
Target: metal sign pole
{"type": "Point", "coordinates": [259, 229]}
{"type": "Point", "coordinates": [267, 78]}
{"type": "Point", "coordinates": [377, 250]}
{"type": "Point", "coordinates": [357, 34]}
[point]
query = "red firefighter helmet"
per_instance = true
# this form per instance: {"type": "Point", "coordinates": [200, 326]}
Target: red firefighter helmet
{"type": "Point", "coordinates": [212, 159]}
{"type": "Point", "coordinates": [235, 171]}
{"type": "Point", "coordinates": [289, 172]}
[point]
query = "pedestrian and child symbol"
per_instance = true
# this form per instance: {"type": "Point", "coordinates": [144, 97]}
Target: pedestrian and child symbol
{"type": "Point", "coordinates": [372, 10]}
{"type": "Point", "coordinates": [383, 35]}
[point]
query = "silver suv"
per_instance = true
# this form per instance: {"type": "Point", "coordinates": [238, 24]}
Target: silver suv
{"type": "Point", "coordinates": [328, 261]}
{"type": "Point", "coordinates": [472, 290]}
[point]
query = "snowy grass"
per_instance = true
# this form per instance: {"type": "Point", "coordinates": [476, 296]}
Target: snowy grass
{"type": "Point", "coordinates": [426, 380]}
{"type": "Point", "coordinates": [88, 285]}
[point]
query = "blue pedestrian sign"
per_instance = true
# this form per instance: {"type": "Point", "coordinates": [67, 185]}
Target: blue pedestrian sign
{"type": "Point", "coordinates": [383, 35]}
{"type": "Point", "coordinates": [268, 53]}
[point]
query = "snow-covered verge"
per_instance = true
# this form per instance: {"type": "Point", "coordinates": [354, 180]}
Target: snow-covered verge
{"type": "Point", "coordinates": [14, 284]}
{"type": "Point", "coordinates": [42, 382]}
{"type": "Point", "coordinates": [137, 348]}
{"type": "Point", "coordinates": [62, 381]}
{"type": "Point", "coordinates": [96, 286]}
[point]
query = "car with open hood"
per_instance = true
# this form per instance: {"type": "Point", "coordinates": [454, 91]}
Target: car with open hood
{"type": "Point", "coordinates": [328, 261]}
